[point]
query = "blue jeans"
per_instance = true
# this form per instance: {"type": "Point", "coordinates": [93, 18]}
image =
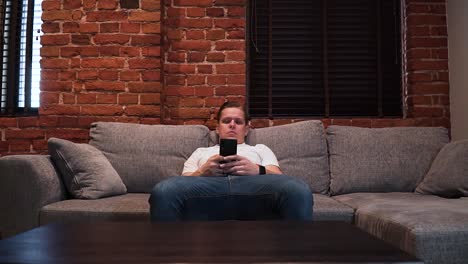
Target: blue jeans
{"type": "Point", "coordinates": [258, 197]}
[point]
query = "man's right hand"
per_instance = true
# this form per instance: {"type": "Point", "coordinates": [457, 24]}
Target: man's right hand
{"type": "Point", "coordinates": [210, 168]}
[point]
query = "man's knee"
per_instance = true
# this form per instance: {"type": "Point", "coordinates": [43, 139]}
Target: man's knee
{"type": "Point", "coordinates": [168, 188]}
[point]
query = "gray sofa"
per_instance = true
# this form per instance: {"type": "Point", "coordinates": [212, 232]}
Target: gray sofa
{"type": "Point", "coordinates": [386, 181]}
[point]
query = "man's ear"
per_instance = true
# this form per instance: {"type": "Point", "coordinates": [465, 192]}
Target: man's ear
{"type": "Point", "coordinates": [247, 128]}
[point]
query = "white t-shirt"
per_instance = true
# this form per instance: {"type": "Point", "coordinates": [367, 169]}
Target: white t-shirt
{"type": "Point", "coordinates": [258, 154]}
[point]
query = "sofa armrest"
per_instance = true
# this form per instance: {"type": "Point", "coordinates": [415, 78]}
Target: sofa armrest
{"type": "Point", "coordinates": [27, 183]}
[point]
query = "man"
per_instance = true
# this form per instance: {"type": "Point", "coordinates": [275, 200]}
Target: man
{"type": "Point", "coordinates": [246, 186]}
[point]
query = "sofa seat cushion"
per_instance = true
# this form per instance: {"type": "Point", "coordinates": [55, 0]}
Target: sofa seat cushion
{"type": "Point", "coordinates": [328, 209]}
{"type": "Point", "coordinates": [144, 155]}
{"type": "Point", "coordinates": [130, 206]}
{"type": "Point", "coordinates": [135, 206]}
{"type": "Point", "coordinates": [430, 227]}
{"type": "Point", "coordinates": [381, 159]}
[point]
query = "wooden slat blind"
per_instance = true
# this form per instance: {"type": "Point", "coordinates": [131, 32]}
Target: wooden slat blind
{"type": "Point", "coordinates": [327, 58]}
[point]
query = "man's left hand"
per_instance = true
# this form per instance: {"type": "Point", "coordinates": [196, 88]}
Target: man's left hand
{"type": "Point", "coordinates": [239, 165]}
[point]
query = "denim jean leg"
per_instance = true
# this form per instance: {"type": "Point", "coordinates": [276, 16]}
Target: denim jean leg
{"type": "Point", "coordinates": [288, 197]}
{"type": "Point", "coordinates": [189, 198]}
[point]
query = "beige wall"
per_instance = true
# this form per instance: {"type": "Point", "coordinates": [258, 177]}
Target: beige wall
{"type": "Point", "coordinates": [457, 13]}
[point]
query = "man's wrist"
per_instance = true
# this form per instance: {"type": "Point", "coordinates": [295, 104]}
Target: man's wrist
{"type": "Point", "coordinates": [261, 169]}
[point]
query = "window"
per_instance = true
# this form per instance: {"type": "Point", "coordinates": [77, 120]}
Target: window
{"type": "Point", "coordinates": [325, 58]}
{"type": "Point", "coordinates": [20, 23]}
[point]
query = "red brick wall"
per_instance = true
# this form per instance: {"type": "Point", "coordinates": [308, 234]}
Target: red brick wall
{"type": "Point", "coordinates": [175, 62]}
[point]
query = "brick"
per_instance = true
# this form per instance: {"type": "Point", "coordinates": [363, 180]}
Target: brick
{"type": "Point", "coordinates": [215, 57]}
{"type": "Point", "coordinates": [130, 27]}
{"type": "Point", "coordinates": [230, 68]}
{"type": "Point", "coordinates": [196, 80]}
{"type": "Point", "coordinates": [149, 39]}
{"type": "Point", "coordinates": [106, 98]}
{"type": "Point", "coordinates": [125, 98]}
{"type": "Point", "coordinates": [230, 90]}
{"type": "Point", "coordinates": [144, 63]}
{"type": "Point", "coordinates": [179, 68]}
{"type": "Point", "coordinates": [107, 4]}
{"type": "Point", "coordinates": [427, 42]}
{"type": "Point", "coordinates": [176, 56]}
{"type": "Point", "coordinates": [439, 31]}
{"type": "Point", "coordinates": [86, 98]}
{"type": "Point", "coordinates": [150, 98]}
{"type": "Point", "coordinates": [39, 145]}
{"type": "Point", "coordinates": [70, 27]}
{"type": "Point", "coordinates": [49, 97]}
{"type": "Point", "coordinates": [77, 15]}
{"type": "Point", "coordinates": [47, 121]}
{"type": "Point", "coordinates": [194, 34]}
{"type": "Point", "coordinates": [49, 75]}
{"type": "Point", "coordinates": [57, 15]}
{"type": "Point", "coordinates": [215, 12]}
{"type": "Point", "coordinates": [129, 76]}
{"type": "Point", "coordinates": [49, 51]}
{"type": "Point", "coordinates": [87, 75]}
{"type": "Point", "coordinates": [236, 79]}
{"type": "Point", "coordinates": [151, 121]}
{"type": "Point", "coordinates": [195, 12]}
{"type": "Point", "coordinates": [151, 75]}
{"type": "Point", "coordinates": [105, 39]}
{"type": "Point", "coordinates": [215, 34]}
{"type": "Point", "coordinates": [89, 4]}
{"type": "Point", "coordinates": [180, 91]}
{"type": "Point", "coordinates": [196, 57]}
{"type": "Point", "coordinates": [55, 40]}
{"type": "Point", "coordinates": [104, 86]}
{"type": "Point", "coordinates": [204, 91]}
{"type": "Point", "coordinates": [230, 45]}
{"type": "Point", "coordinates": [427, 112]}
{"type": "Point", "coordinates": [71, 4]}
{"type": "Point", "coordinates": [214, 101]}
{"type": "Point", "coordinates": [192, 45]}
{"type": "Point", "coordinates": [143, 110]}
{"type": "Point", "coordinates": [175, 80]}
{"type": "Point", "coordinates": [205, 69]}
{"type": "Point", "coordinates": [429, 88]}
{"type": "Point", "coordinates": [20, 146]}
{"type": "Point", "coordinates": [427, 65]}
{"type": "Point", "coordinates": [236, 12]}
{"type": "Point", "coordinates": [109, 51]}
{"type": "Point", "coordinates": [419, 77]}
{"type": "Point", "coordinates": [144, 87]}
{"type": "Point", "coordinates": [8, 122]}
{"type": "Point", "coordinates": [190, 113]}
{"type": "Point", "coordinates": [55, 85]}
{"type": "Point", "coordinates": [200, 3]}
{"type": "Point", "coordinates": [50, 5]}
{"type": "Point", "coordinates": [48, 27]}
{"type": "Point", "coordinates": [419, 31]}
{"type": "Point", "coordinates": [235, 56]}
{"type": "Point", "coordinates": [106, 16]}
{"type": "Point", "coordinates": [109, 75]}
{"type": "Point", "coordinates": [67, 75]}
{"type": "Point", "coordinates": [229, 23]}
{"type": "Point", "coordinates": [175, 34]}
{"type": "Point", "coordinates": [109, 27]}
{"type": "Point", "coordinates": [101, 110]}
{"type": "Point", "coordinates": [429, 19]}
{"type": "Point", "coordinates": [151, 51]}
{"type": "Point", "coordinates": [24, 134]}
{"type": "Point", "coordinates": [422, 53]}
{"type": "Point", "coordinates": [82, 39]}
{"type": "Point", "coordinates": [144, 16]}
{"type": "Point", "coordinates": [68, 133]}
{"type": "Point", "coordinates": [236, 34]}
{"type": "Point", "coordinates": [189, 23]}
{"type": "Point", "coordinates": [175, 12]}
{"type": "Point", "coordinates": [68, 98]}
{"type": "Point", "coordinates": [230, 3]}
{"type": "Point", "coordinates": [191, 102]}
{"type": "Point", "coordinates": [151, 28]}
{"type": "Point", "coordinates": [216, 80]}
{"type": "Point", "coordinates": [151, 5]}
{"type": "Point", "coordinates": [441, 53]}
{"type": "Point", "coordinates": [88, 28]}
{"type": "Point", "coordinates": [103, 63]}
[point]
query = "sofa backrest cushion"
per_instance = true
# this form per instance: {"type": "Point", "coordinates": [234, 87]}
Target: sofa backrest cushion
{"type": "Point", "coordinates": [143, 155]}
{"type": "Point", "coordinates": [301, 150]}
{"type": "Point", "coordinates": [381, 159]}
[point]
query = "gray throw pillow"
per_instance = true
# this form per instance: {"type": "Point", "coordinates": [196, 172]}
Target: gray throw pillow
{"type": "Point", "coordinates": [86, 172]}
{"type": "Point", "coordinates": [448, 175]}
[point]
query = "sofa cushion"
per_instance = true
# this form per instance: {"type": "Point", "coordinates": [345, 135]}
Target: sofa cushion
{"type": "Point", "coordinates": [130, 206]}
{"type": "Point", "coordinates": [448, 176]}
{"type": "Point", "coordinates": [381, 159]}
{"type": "Point", "coordinates": [143, 155]}
{"type": "Point", "coordinates": [86, 172]}
{"type": "Point", "coordinates": [135, 206]}
{"type": "Point", "coordinates": [428, 226]}
{"type": "Point", "coordinates": [301, 150]}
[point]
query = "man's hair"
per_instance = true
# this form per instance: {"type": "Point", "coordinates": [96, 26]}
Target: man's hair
{"type": "Point", "coordinates": [232, 104]}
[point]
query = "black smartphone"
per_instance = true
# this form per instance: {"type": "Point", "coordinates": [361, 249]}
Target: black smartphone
{"type": "Point", "coordinates": [227, 147]}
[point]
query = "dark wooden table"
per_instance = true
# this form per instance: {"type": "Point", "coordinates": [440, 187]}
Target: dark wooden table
{"type": "Point", "coordinates": [199, 242]}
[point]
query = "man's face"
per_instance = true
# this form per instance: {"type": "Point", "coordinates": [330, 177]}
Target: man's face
{"type": "Point", "coordinates": [232, 124]}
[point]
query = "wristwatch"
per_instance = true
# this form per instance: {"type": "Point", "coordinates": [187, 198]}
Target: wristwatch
{"type": "Point", "coordinates": [261, 169]}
